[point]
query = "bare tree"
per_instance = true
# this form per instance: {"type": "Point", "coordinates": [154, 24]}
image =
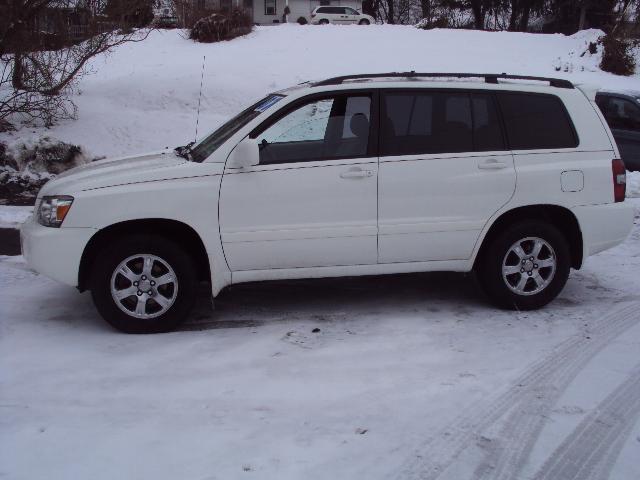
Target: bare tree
{"type": "Point", "coordinates": [36, 78]}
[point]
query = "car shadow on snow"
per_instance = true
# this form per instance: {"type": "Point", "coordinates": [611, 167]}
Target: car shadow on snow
{"type": "Point", "coordinates": [329, 299]}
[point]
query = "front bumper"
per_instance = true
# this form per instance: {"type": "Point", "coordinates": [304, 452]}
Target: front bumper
{"type": "Point", "coordinates": [54, 252]}
{"type": "Point", "coordinates": [604, 226]}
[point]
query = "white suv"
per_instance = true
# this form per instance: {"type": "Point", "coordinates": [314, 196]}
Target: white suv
{"type": "Point", "coordinates": [339, 16]}
{"type": "Point", "coordinates": [515, 178]}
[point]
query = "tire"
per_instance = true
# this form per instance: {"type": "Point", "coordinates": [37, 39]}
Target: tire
{"type": "Point", "coordinates": [324, 21]}
{"type": "Point", "coordinates": [364, 21]}
{"type": "Point", "coordinates": [504, 273]}
{"type": "Point", "coordinates": [165, 262]}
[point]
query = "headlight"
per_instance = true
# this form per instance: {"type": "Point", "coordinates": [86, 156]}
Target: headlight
{"type": "Point", "coordinates": [52, 210]}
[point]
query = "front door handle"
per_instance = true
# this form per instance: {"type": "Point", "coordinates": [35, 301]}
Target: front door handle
{"type": "Point", "coordinates": [356, 173]}
{"type": "Point", "coordinates": [492, 165]}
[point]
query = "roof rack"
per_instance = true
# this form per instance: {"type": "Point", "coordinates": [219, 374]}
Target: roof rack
{"type": "Point", "coordinates": [488, 77]}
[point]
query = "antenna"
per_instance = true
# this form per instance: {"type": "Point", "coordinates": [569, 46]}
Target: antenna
{"type": "Point", "coordinates": [204, 59]}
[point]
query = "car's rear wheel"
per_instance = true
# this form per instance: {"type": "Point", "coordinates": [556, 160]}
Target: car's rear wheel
{"type": "Point", "coordinates": [364, 21]}
{"type": "Point", "coordinates": [525, 266]}
{"type": "Point", "coordinates": [144, 284]}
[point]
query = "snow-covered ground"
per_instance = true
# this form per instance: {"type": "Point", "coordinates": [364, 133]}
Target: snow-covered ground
{"type": "Point", "coordinates": [144, 95]}
{"type": "Point", "coordinates": [407, 377]}
{"type": "Point", "coordinates": [13, 217]}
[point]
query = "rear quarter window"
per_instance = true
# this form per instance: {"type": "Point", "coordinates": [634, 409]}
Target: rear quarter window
{"type": "Point", "coordinates": [536, 121]}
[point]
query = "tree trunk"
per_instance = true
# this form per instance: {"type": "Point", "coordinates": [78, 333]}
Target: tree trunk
{"type": "Point", "coordinates": [524, 17]}
{"type": "Point", "coordinates": [426, 9]}
{"type": "Point", "coordinates": [478, 14]}
{"type": "Point", "coordinates": [390, 12]}
{"type": "Point", "coordinates": [513, 19]}
{"type": "Point", "coordinates": [583, 16]}
{"type": "Point", "coordinates": [17, 75]}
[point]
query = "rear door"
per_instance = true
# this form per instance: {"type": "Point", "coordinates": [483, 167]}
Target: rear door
{"type": "Point", "coordinates": [444, 171]}
{"type": "Point", "coordinates": [312, 200]}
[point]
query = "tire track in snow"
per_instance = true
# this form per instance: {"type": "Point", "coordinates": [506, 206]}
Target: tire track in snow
{"type": "Point", "coordinates": [590, 451]}
{"type": "Point", "coordinates": [543, 382]}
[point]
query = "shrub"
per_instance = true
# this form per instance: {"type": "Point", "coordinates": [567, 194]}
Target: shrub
{"type": "Point", "coordinates": [617, 56]}
{"type": "Point", "coordinates": [302, 21]}
{"type": "Point", "coordinates": [217, 27]}
{"type": "Point", "coordinates": [27, 165]}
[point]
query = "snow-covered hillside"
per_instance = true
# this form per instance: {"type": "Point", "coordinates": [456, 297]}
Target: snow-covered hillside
{"type": "Point", "coordinates": [144, 95]}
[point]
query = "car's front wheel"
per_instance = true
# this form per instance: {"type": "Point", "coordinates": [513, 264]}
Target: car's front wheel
{"type": "Point", "coordinates": [525, 266]}
{"type": "Point", "coordinates": [324, 21]}
{"type": "Point", "coordinates": [364, 21]}
{"type": "Point", "coordinates": [144, 284]}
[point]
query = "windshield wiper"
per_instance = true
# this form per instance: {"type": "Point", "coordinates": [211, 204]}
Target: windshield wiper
{"type": "Point", "coordinates": [185, 150]}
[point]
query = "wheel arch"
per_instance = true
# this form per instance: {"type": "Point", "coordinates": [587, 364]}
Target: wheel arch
{"type": "Point", "coordinates": [177, 231]}
{"type": "Point", "coordinates": [560, 217]}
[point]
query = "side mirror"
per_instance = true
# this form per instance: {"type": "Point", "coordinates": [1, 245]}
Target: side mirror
{"type": "Point", "coordinates": [246, 154]}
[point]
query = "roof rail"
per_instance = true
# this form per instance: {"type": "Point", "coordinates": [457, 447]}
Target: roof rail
{"type": "Point", "coordinates": [488, 77]}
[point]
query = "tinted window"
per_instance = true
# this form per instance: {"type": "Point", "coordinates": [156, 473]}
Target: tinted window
{"type": "Point", "coordinates": [327, 128]}
{"type": "Point", "coordinates": [487, 133]}
{"type": "Point", "coordinates": [429, 122]}
{"type": "Point", "coordinates": [330, 10]}
{"type": "Point", "coordinates": [622, 114]}
{"type": "Point", "coordinates": [351, 11]}
{"type": "Point", "coordinates": [536, 121]}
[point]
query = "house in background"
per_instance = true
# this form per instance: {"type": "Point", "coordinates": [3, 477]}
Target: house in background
{"type": "Point", "coordinates": [269, 12]}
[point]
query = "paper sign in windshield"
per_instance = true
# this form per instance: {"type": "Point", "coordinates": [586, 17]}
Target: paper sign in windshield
{"type": "Point", "coordinates": [268, 102]}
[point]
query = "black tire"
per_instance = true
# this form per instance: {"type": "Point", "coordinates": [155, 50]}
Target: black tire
{"type": "Point", "coordinates": [490, 266]}
{"type": "Point", "coordinates": [364, 21]}
{"type": "Point", "coordinates": [324, 21]}
{"type": "Point", "coordinates": [133, 245]}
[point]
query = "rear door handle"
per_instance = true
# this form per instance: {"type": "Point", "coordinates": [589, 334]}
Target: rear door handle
{"type": "Point", "coordinates": [491, 165]}
{"type": "Point", "coordinates": [356, 173]}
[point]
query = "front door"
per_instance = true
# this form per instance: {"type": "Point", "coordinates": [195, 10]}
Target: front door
{"type": "Point", "coordinates": [312, 200]}
{"type": "Point", "coordinates": [444, 171]}
{"type": "Point", "coordinates": [352, 15]}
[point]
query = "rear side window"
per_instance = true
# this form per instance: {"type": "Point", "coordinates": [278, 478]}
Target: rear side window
{"type": "Point", "coordinates": [487, 132]}
{"type": "Point", "coordinates": [426, 122]}
{"type": "Point", "coordinates": [536, 121]}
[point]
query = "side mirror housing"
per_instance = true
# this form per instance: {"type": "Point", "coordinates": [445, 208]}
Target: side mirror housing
{"type": "Point", "coordinates": [246, 154]}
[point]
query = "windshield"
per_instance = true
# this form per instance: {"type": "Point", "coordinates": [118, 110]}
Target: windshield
{"type": "Point", "coordinates": [212, 142]}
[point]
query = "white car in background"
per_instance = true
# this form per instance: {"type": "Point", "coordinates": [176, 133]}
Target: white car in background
{"type": "Point", "coordinates": [339, 16]}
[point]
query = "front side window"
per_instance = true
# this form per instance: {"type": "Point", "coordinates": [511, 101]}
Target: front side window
{"type": "Point", "coordinates": [536, 121]}
{"type": "Point", "coordinates": [351, 11]}
{"type": "Point", "coordinates": [322, 129]}
{"type": "Point", "coordinates": [426, 122]}
{"type": "Point", "coordinates": [622, 114]}
{"type": "Point", "coordinates": [212, 142]}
